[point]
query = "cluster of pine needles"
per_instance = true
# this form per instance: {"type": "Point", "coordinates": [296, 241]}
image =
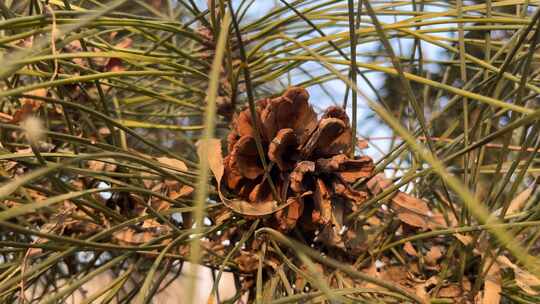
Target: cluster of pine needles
{"type": "Point", "coordinates": [139, 137]}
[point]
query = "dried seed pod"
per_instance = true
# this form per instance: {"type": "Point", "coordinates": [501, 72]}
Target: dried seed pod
{"type": "Point", "coordinates": [306, 160]}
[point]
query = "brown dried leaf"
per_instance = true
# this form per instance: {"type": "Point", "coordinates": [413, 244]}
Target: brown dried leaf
{"type": "Point", "coordinates": [129, 236]}
{"type": "Point", "coordinates": [412, 218]}
{"type": "Point", "coordinates": [211, 148]}
{"type": "Point", "coordinates": [527, 281]}
{"type": "Point", "coordinates": [519, 201]}
{"type": "Point", "coordinates": [411, 203]}
{"type": "Point", "coordinates": [81, 226]}
{"type": "Point", "coordinates": [416, 212]}
{"type": "Point", "coordinates": [492, 285]}
{"type": "Point", "coordinates": [450, 291]}
{"type": "Point", "coordinates": [395, 274]}
{"type": "Point", "coordinates": [421, 290]}
{"type": "Point", "coordinates": [29, 105]}
{"type": "Point", "coordinates": [258, 209]}
{"type": "Point", "coordinates": [124, 44]}
{"type": "Point", "coordinates": [106, 165]}
{"type": "Point", "coordinates": [524, 279]}
{"type": "Point", "coordinates": [114, 64]}
{"type": "Point", "coordinates": [433, 255]}
{"type": "Point", "coordinates": [374, 221]}
{"type": "Point", "coordinates": [36, 195]}
{"type": "Point", "coordinates": [464, 239]}
{"type": "Point", "coordinates": [177, 164]}
{"type": "Point", "coordinates": [160, 205]}
{"type": "Point", "coordinates": [409, 249]}
{"type": "Point", "coordinates": [436, 220]}
{"type": "Point", "coordinates": [378, 183]}
{"type": "Point", "coordinates": [183, 192]}
{"type": "Point", "coordinates": [150, 229]}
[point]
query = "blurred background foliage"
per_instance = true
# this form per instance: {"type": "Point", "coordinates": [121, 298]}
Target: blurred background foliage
{"type": "Point", "coordinates": [102, 104]}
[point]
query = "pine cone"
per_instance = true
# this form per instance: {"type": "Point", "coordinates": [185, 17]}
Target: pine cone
{"type": "Point", "coordinates": [307, 162]}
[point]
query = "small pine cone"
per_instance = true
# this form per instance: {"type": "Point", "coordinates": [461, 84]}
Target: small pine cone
{"type": "Point", "coordinates": [307, 160]}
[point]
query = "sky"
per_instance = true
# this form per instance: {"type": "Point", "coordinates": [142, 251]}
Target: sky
{"type": "Point", "coordinates": [338, 87]}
